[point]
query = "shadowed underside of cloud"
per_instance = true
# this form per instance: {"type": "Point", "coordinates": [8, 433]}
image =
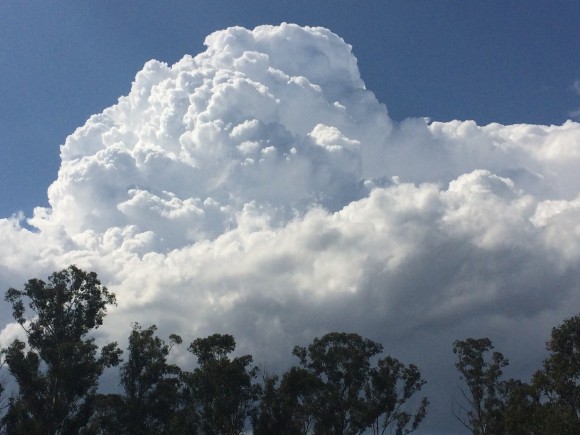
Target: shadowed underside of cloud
{"type": "Point", "coordinates": [259, 188]}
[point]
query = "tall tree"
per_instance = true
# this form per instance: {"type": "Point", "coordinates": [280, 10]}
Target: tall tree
{"type": "Point", "coordinates": [348, 395]}
{"type": "Point", "coordinates": [484, 398]}
{"type": "Point", "coordinates": [151, 385]}
{"type": "Point", "coordinates": [559, 380]}
{"type": "Point", "coordinates": [391, 385]}
{"type": "Point", "coordinates": [57, 373]}
{"type": "Point", "coordinates": [287, 408]}
{"type": "Point", "coordinates": [526, 412]}
{"type": "Point", "coordinates": [222, 389]}
{"type": "Point", "coordinates": [341, 362]}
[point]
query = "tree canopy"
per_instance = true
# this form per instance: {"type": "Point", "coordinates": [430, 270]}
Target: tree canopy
{"type": "Point", "coordinates": [337, 390]}
{"type": "Point", "coordinates": [342, 384]}
{"type": "Point", "coordinates": [222, 388]}
{"type": "Point", "coordinates": [481, 376]}
{"type": "Point", "coordinates": [549, 404]}
{"type": "Point", "coordinates": [57, 370]}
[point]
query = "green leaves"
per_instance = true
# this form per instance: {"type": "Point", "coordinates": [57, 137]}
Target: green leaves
{"type": "Point", "coordinates": [223, 391]}
{"type": "Point", "coordinates": [216, 347]}
{"type": "Point", "coordinates": [340, 386]}
{"type": "Point", "coordinates": [341, 362]}
{"type": "Point", "coordinates": [391, 385]}
{"type": "Point", "coordinates": [337, 390]}
{"type": "Point", "coordinates": [550, 404]}
{"type": "Point", "coordinates": [482, 378]}
{"type": "Point", "coordinates": [151, 385]}
{"type": "Point", "coordinates": [58, 375]}
{"type": "Point", "coordinates": [559, 381]}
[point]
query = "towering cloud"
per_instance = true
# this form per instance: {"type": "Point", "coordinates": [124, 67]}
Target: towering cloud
{"type": "Point", "coordinates": [260, 189]}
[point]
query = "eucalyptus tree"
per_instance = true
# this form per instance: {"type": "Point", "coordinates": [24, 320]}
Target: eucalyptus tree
{"type": "Point", "coordinates": [341, 364]}
{"type": "Point", "coordinates": [287, 407]}
{"type": "Point", "coordinates": [558, 382]}
{"type": "Point", "coordinates": [222, 389]}
{"type": "Point", "coordinates": [338, 390]}
{"type": "Point", "coordinates": [151, 401]}
{"type": "Point", "coordinates": [550, 404]}
{"type": "Point", "coordinates": [58, 368]}
{"type": "Point", "coordinates": [391, 386]}
{"type": "Point", "coordinates": [483, 397]}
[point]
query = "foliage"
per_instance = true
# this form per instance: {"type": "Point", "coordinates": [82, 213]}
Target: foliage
{"type": "Point", "coordinates": [391, 386]}
{"type": "Point", "coordinates": [549, 405]}
{"type": "Point", "coordinates": [287, 408]}
{"type": "Point", "coordinates": [484, 398]}
{"type": "Point", "coordinates": [559, 381]}
{"type": "Point", "coordinates": [57, 370]}
{"type": "Point", "coordinates": [562, 368]}
{"type": "Point", "coordinates": [527, 413]}
{"type": "Point", "coordinates": [341, 363]}
{"type": "Point", "coordinates": [336, 390]}
{"type": "Point", "coordinates": [150, 384]}
{"type": "Point", "coordinates": [222, 391]}
{"type": "Point", "coordinates": [341, 386]}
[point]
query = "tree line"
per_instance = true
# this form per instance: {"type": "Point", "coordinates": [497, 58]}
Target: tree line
{"type": "Point", "coordinates": [548, 404]}
{"type": "Point", "coordinates": [342, 383]}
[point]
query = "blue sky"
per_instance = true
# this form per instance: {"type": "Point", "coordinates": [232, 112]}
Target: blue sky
{"type": "Point", "coordinates": [493, 61]}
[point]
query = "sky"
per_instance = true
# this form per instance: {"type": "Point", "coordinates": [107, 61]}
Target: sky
{"type": "Point", "coordinates": [404, 170]}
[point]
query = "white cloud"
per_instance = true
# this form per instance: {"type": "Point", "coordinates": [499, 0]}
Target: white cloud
{"type": "Point", "coordinates": [576, 86]}
{"type": "Point", "coordinates": [258, 188]}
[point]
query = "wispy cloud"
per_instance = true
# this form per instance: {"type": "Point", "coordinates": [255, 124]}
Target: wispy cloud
{"type": "Point", "coordinates": [575, 114]}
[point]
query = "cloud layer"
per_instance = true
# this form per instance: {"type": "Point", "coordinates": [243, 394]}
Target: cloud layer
{"type": "Point", "coordinates": [260, 189]}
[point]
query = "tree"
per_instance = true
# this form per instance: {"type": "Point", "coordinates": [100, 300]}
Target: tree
{"type": "Point", "coordinates": [222, 391]}
{"type": "Point", "coordinates": [57, 371]}
{"type": "Point", "coordinates": [288, 408]}
{"type": "Point", "coordinates": [269, 415]}
{"type": "Point", "coordinates": [3, 402]}
{"type": "Point", "coordinates": [151, 386]}
{"type": "Point", "coordinates": [559, 381]}
{"type": "Point", "coordinates": [346, 395]}
{"type": "Point", "coordinates": [484, 389]}
{"type": "Point", "coordinates": [527, 413]}
{"type": "Point", "coordinates": [391, 385]}
{"type": "Point", "coordinates": [341, 363]}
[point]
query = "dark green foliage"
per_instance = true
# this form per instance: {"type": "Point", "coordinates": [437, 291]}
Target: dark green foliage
{"type": "Point", "coordinates": [57, 376]}
{"type": "Point", "coordinates": [151, 400]}
{"type": "Point", "coordinates": [222, 391]}
{"type": "Point", "coordinates": [561, 375]}
{"type": "Point", "coordinates": [549, 405]}
{"type": "Point", "coordinates": [483, 396]}
{"type": "Point", "coordinates": [559, 381]}
{"type": "Point", "coordinates": [337, 391]}
{"type": "Point", "coordinates": [341, 386]}
{"type": "Point", "coordinates": [526, 412]}
{"type": "Point", "coordinates": [150, 384]}
{"type": "Point", "coordinates": [288, 408]}
{"type": "Point", "coordinates": [214, 348]}
{"type": "Point", "coordinates": [391, 385]}
{"type": "Point", "coordinates": [341, 363]}
{"type": "Point", "coordinates": [272, 415]}
{"type": "Point", "coordinates": [106, 416]}
{"type": "Point", "coordinates": [521, 405]}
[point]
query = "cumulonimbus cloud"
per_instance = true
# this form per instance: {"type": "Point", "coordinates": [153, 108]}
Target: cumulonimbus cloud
{"type": "Point", "coordinates": [259, 188]}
